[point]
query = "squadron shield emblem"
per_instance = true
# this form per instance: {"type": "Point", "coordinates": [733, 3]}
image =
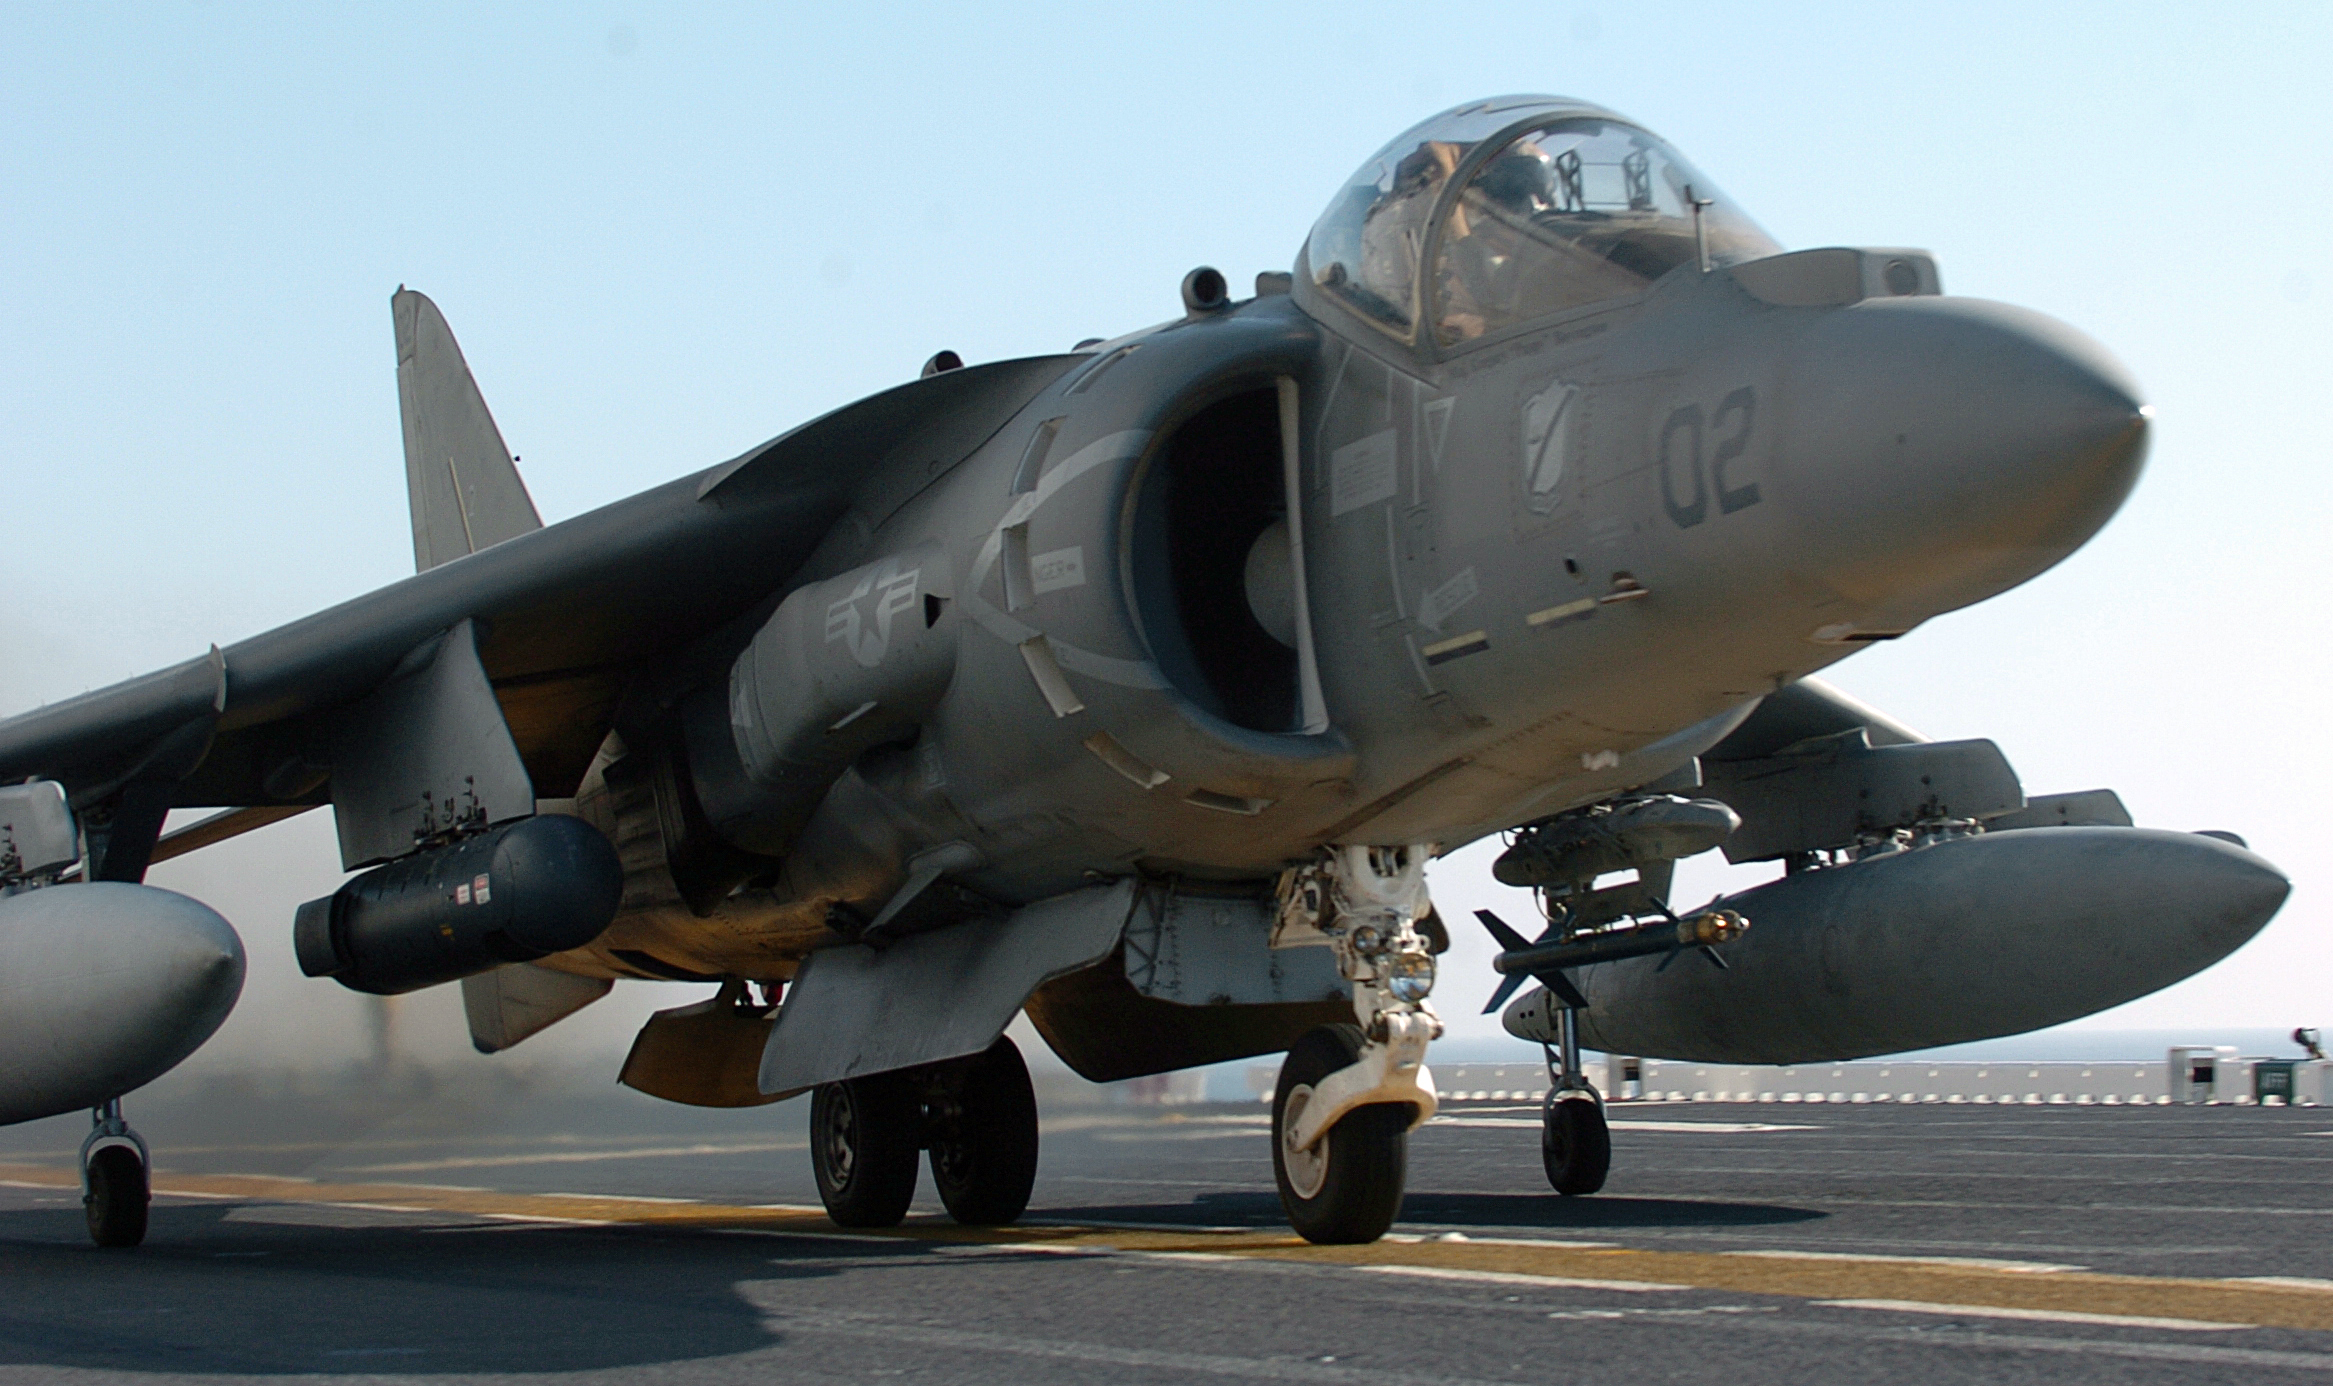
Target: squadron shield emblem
{"type": "Point", "coordinates": [1547, 426]}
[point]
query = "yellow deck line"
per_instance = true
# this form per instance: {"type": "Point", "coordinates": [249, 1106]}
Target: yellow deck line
{"type": "Point", "coordinates": [2239, 1302]}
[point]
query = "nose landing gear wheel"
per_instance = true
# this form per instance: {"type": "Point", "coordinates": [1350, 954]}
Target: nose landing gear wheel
{"type": "Point", "coordinates": [865, 1137]}
{"type": "Point", "coordinates": [117, 1197]}
{"type": "Point", "coordinates": [984, 1136]}
{"type": "Point", "coordinates": [1575, 1144]}
{"type": "Point", "coordinates": [1348, 1187]}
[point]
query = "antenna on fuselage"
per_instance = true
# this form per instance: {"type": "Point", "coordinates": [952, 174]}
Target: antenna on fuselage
{"type": "Point", "coordinates": [1700, 236]}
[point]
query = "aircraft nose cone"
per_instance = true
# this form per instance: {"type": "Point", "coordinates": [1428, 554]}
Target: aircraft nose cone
{"type": "Point", "coordinates": [1941, 450]}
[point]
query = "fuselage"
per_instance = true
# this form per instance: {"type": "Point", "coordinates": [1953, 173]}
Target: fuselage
{"type": "Point", "coordinates": [1540, 470]}
{"type": "Point", "coordinates": [1537, 568]}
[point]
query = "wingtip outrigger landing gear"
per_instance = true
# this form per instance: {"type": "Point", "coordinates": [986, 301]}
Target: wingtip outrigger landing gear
{"type": "Point", "coordinates": [1575, 1142]}
{"type": "Point", "coordinates": [114, 1187]}
{"type": "Point", "coordinates": [1561, 858]}
{"type": "Point", "coordinates": [1349, 1094]}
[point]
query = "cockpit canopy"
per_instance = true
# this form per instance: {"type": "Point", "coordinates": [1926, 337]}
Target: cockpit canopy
{"type": "Point", "coordinates": [1524, 207]}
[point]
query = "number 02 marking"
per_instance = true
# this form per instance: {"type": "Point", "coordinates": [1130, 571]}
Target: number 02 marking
{"type": "Point", "coordinates": [1682, 438]}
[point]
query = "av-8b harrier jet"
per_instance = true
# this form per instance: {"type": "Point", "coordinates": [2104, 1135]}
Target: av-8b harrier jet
{"type": "Point", "coordinates": [1136, 686]}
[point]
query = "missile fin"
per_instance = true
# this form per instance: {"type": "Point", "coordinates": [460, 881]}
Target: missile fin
{"type": "Point", "coordinates": [1508, 939]}
{"type": "Point", "coordinates": [1554, 980]}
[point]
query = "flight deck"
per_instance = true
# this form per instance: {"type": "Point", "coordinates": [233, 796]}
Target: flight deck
{"type": "Point", "coordinates": [533, 1234]}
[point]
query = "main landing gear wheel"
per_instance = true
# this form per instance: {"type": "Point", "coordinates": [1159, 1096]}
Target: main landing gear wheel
{"type": "Point", "coordinates": [117, 1197]}
{"type": "Point", "coordinates": [984, 1136]}
{"type": "Point", "coordinates": [865, 1137]}
{"type": "Point", "coordinates": [1575, 1143]}
{"type": "Point", "coordinates": [1348, 1187]}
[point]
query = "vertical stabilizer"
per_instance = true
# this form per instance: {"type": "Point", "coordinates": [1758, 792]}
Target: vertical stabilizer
{"type": "Point", "coordinates": [462, 482]}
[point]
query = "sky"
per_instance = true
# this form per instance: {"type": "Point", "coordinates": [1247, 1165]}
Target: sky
{"type": "Point", "coordinates": [665, 234]}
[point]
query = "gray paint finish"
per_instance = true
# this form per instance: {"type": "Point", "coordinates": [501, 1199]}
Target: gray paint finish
{"type": "Point", "coordinates": [461, 481]}
{"type": "Point", "coordinates": [1552, 547]}
{"type": "Point", "coordinates": [1961, 940]}
{"type": "Point", "coordinates": [104, 987]}
{"type": "Point", "coordinates": [934, 996]}
{"type": "Point", "coordinates": [1205, 950]}
{"type": "Point", "coordinates": [425, 756]}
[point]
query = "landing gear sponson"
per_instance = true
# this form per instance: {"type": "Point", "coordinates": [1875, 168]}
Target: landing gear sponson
{"type": "Point", "coordinates": [1349, 1094]}
{"type": "Point", "coordinates": [976, 1115]}
{"type": "Point", "coordinates": [114, 1186]}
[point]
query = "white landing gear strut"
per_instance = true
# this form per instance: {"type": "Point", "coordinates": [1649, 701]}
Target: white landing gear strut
{"type": "Point", "coordinates": [1349, 1094]}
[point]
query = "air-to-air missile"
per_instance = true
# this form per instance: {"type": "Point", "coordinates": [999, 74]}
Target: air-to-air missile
{"type": "Point", "coordinates": [1706, 929]}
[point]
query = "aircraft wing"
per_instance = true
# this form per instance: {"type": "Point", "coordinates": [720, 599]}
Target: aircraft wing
{"type": "Point", "coordinates": [569, 617]}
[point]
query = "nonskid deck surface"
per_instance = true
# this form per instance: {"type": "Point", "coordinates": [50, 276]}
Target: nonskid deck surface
{"type": "Point", "coordinates": [1742, 1243]}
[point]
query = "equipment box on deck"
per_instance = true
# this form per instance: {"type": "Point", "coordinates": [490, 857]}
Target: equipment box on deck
{"type": "Point", "coordinates": [2273, 1078]}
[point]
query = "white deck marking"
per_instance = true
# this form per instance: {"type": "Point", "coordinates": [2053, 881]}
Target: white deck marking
{"type": "Point", "coordinates": [1992, 1311]}
{"type": "Point", "coordinates": [1551, 1282]}
{"type": "Point", "coordinates": [1471, 1239]}
{"type": "Point", "coordinates": [1720, 1128]}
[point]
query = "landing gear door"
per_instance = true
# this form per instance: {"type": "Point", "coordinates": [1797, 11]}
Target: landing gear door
{"type": "Point", "coordinates": [858, 1010]}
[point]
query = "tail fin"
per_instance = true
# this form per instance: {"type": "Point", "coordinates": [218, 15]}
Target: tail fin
{"type": "Point", "coordinates": [462, 482]}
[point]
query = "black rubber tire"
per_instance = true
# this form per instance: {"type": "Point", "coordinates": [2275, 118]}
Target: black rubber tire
{"type": "Point", "coordinates": [117, 1197]}
{"type": "Point", "coordinates": [866, 1135]}
{"type": "Point", "coordinates": [1358, 1194]}
{"type": "Point", "coordinates": [1575, 1143]}
{"type": "Point", "coordinates": [984, 1151]}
